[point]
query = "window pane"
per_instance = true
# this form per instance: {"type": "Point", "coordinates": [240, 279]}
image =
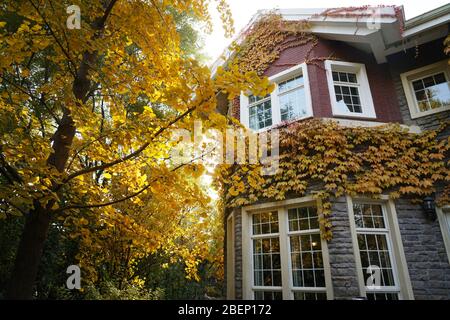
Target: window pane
{"type": "Point", "coordinates": [346, 77]}
{"type": "Point", "coordinates": [290, 84]}
{"type": "Point", "coordinates": [265, 222]}
{"type": "Point", "coordinates": [432, 92]}
{"type": "Point", "coordinates": [268, 295]}
{"type": "Point", "coordinates": [418, 85]}
{"type": "Point", "coordinates": [421, 95]}
{"type": "Point", "coordinates": [352, 77]}
{"type": "Point", "coordinates": [347, 95]}
{"type": "Point", "coordinates": [350, 95]}
{"type": "Point", "coordinates": [310, 296]}
{"type": "Point", "coordinates": [253, 99]}
{"type": "Point", "coordinates": [345, 90]}
{"type": "Point", "coordinates": [266, 262]}
{"type": "Point", "coordinates": [335, 76]}
{"type": "Point", "coordinates": [260, 115]}
{"type": "Point", "coordinates": [439, 95]}
{"type": "Point", "coordinates": [439, 78]}
{"type": "Point", "coordinates": [306, 261]}
{"type": "Point", "coordinates": [368, 216]}
{"type": "Point", "coordinates": [293, 104]}
{"type": "Point", "coordinates": [304, 218]}
{"type": "Point", "coordinates": [428, 82]}
{"type": "Point", "coordinates": [382, 296]}
{"type": "Point", "coordinates": [374, 251]}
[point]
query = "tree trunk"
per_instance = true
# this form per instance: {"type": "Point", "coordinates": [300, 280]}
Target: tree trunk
{"type": "Point", "coordinates": [31, 245]}
{"type": "Point", "coordinates": [29, 254]}
{"type": "Point", "coordinates": [38, 220]}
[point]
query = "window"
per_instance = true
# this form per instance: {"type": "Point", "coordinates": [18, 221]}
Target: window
{"type": "Point", "coordinates": [427, 89]}
{"type": "Point", "coordinates": [380, 259]}
{"type": "Point", "coordinates": [346, 90]}
{"type": "Point", "coordinates": [260, 110]}
{"type": "Point", "coordinates": [287, 258]}
{"type": "Point", "coordinates": [375, 249]}
{"type": "Point", "coordinates": [306, 261]}
{"type": "Point", "coordinates": [230, 257]}
{"type": "Point", "coordinates": [291, 95]}
{"type": "Point", "coordinates": [266, 256]}
{"type": "Point", "coordinates": [444, 221]}
{"type": "Point", "coordinates": [290, 100]}
{"type": "Point", "coordinates": [349, 89]}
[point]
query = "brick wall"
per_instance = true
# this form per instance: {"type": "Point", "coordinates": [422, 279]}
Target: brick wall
{"type": "Point", "coordinates": [380, 81]}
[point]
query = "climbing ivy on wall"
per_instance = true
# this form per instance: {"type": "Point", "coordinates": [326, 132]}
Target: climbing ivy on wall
{"type": "Point", "coordinates": [324, 158]}
{"type": "Point", "coordinates": [332, 161]}
{"type": "Point", "coordinates": [268, 37]}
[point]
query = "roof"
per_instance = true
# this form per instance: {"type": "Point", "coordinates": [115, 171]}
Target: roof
{"type": "Point", "coordinates": [381, 30]}
{"type": "Point", "coordinates": [432, 15]}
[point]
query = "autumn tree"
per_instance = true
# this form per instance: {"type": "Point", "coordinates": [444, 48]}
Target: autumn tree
{"type": "Point", "coordinates": [86, 119]}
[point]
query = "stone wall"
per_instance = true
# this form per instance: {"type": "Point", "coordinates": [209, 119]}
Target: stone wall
{"type": "Point", "coordinates": [427, 260]}
{"type": "Point", "coordinates": [342, 258]}
{"type": "Point", "coordinates": [425, 253]}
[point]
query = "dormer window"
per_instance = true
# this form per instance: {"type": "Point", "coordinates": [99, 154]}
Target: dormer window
{"type": "Point", "coordinates": [349, 89]}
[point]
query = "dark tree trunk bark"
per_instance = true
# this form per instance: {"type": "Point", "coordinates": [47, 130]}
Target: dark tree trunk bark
{"type": "Point", "coordinates": [38, 221]}
{"type": "Point", "coordinates": [29, 254]}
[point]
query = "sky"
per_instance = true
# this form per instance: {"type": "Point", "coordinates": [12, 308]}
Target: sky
{"type": "Point", "coordinates": [243, 10]}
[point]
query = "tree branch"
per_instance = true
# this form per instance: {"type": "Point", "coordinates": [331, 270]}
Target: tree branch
{"type": "Point", "coordinates": [101, 23]}
{"type": "Point", "coordinates": [105, 204]}
{"type": "Point", "coordinates": [131, 155]}
{"type": "Point", "coordinates": [52, 33]}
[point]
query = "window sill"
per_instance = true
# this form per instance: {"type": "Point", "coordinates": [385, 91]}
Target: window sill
{"type": "Point", "coordinates": [281, 124]}
{"type": "Point", "coordinates": [417, 115]}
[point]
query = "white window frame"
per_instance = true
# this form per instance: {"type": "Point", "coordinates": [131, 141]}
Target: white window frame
{"type": "Point", "coordinates": [230, 258]}
{"type": "Point", "coordinates": [365, 95]}
{"type": "Point", "coordinates": [444, 222]}
{"type": "Point", "coordinates": [259, 102]}
{"type": "Point", "coordinates": [395, 245]}
{"type": "Point", "coordinates": [286, 273]}
{"type": "Point", "coordinates": [407, 79]}
{"type": "Point", "coordinates": [300, 69]}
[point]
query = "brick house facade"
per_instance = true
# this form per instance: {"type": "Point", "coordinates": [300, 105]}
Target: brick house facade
{"type": "Point", "coordinates": [391, 71]}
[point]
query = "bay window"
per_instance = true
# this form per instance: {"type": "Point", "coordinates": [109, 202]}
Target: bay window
{"type": "Point", "coordinates": [285, 256]}
{"type": "Point", "coordinates": [290, 100]}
